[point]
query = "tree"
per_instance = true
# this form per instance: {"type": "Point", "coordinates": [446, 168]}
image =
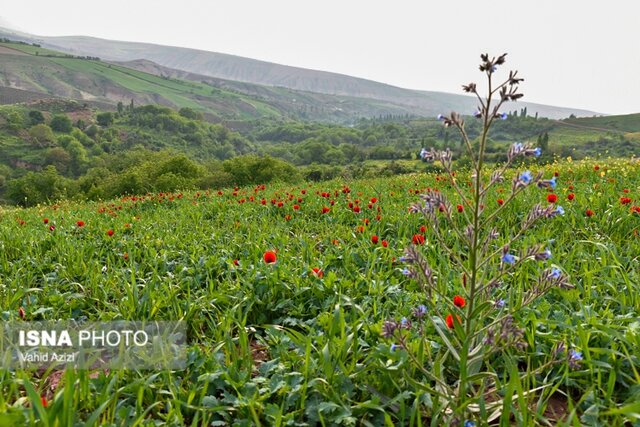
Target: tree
{"type": "Point", "coordinates": [60, 159]}
{"type": "Point", "coordinates": [120, 108]}
{"type": "Point", "coordinates": [105, 119]}
{"type": "Point", "coordinates": [42, 135]}
{"type": "Point", "coordinates": [61, 123]}
{"type": "Point", "coordinates": [36, 117]}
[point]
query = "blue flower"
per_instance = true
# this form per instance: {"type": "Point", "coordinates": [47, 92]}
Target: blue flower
{"type": "Point", "coordinates": [420, 311]}
{"type": "Point", "coordinates": [406, 272]}
{"type": "Point", "coordinates": [560, 210]}
{"type": "Point", "coordinates": [555, 273]}
{"type": "Point", "coordinates": [526, 177]}
{"type": "Point", "coordinates": [503, 116]}
{"type": "Point", "coordinates": [552, 182]}
{"type": "Point", "coordinates": [508, 259]}
{"type": "Point", "coordinates": [469, 423]}
{"type": "Point", "coordinates": [517, 146]}
{"type": "Point", "coordinates": [575, 355]}
{"type": "Point", "coordinates": [500, 303]}
{"type": "Point", "coordinates": [440, 117]}
{"type": "Point", "coordinates": [537, 152]}
{"type": "Point", "coordinates": [393, 347]}
{"type": "Point", "coordinates": [403, 321]}
{"type": "Point", "coordinates": [477, 114]}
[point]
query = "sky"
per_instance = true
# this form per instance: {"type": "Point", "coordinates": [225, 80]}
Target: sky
{"type": "Point", "coordinates": [572, 53]}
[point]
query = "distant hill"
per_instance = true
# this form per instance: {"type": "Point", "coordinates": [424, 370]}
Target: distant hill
{"type": "Point", "coordinates": [229, 67]}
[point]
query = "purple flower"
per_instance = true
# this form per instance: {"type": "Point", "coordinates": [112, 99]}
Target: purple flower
{"type": "Point", "coordinates": [503, 116]}
{"type": "Point", "coordinates": [555, 273]}
{"type": "Point", "coordinates": [440, 117]}
{"type": "Point", "coordinates": [477, 114]}
{"type": "Point", "coordinates": [499, 304]}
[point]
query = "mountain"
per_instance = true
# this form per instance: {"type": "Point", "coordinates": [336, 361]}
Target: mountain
{"type": "Point", "coordinates": [234, 68]}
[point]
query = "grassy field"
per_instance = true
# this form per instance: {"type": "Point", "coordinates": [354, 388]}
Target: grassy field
{"type": "Point", "coordinates": [284, 344]}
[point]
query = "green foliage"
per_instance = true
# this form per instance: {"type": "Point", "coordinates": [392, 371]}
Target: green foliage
{"type": "Point", "coordinates": [61, 123]}
{"type": "Point", "coordinates": [42, 135]}
{"type": "Point", "coordinates": [105, 119]}
{"type": "Point", "coordinates": [36, 117]}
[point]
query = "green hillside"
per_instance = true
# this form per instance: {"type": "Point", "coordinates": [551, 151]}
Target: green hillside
{"type": "Point", "coordinates": [50, 73]}
{"type": "Point", "coordinates": [385, 99]}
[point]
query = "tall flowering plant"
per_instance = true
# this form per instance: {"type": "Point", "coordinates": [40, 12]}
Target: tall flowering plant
{"type": "Point", "coordinates": [475, 316]}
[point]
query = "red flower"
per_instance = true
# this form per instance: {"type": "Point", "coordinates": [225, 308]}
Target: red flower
{"type": "Point", "coordinates": [296, 207]}
{"type": "Point", "coordinates": [552, 198]}
{"type": "Point", "coordinates": [418, 239]}
{"type": "Point", "coordinates": [373, 200]}
{"type": "Point", "coordinates": [460, 208]}
{"type": "Point", "coordinates": [356, 209]}
{"type": "Point", "coordinates": [374, 239]}
{"type": "Point", "coordinates": [500, 202]}
{"type": "Point", "coordinates": [571, 196]}
{"type": "Point", "coordinates": [236, 262]}
{"type": "Point", "coordinates": [596, 167]}
{"type": "Point", "coordinates": [385, 243]}
{"type": "Point", "coordinates": [589, 212]}
{"type": "Point", "coordinates": [110, 232]}
{"type": "Point", "coordinates": [52, 227]}
{"type": "Point", "coordinates": [21, 313]}
{"type": "Point", "coordinates": [125, 256]}
{"type": "Point", "coordinates": [325, 209]}
{"type": "Point", "coordinates": [449, 320]}
{"type": "Point", "coordinates": [269, 257]}
{"type": "Point", "coordinates": [626, 190]}
{"type": "Point", "coordinates": [625, 200]}
{"type": "Point", "coordinates": [46, 220]}
{"type": "Point", "coordinates": [423, 228]}
{"type": "Point", "coordinates": [317, 272]}
{"type": "Point", "coordinates": [459, 301]}
{"type": "Point", "coordinates": [44, 402]}
{"type": "Point", "coordinates": [80, 223]}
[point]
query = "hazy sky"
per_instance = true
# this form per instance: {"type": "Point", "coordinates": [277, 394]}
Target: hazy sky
{"type": "Point", "coordinates": [573, 53]}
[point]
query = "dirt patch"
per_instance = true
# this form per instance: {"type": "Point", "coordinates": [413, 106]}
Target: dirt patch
{"type": "Point", "coordinates": [9, 51]}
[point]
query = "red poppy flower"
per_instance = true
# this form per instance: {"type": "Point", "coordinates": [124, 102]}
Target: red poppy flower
{"type": "Point", "coordinates": [296, 207]}
{"type": "Point", "coordinates": [46, 220]}
{"type": "Point", "coordinates": [459, 301]}
{"type": "Point", "coordinates": [385, 243]}
{"type": "Point", "coordinates": [374, 239]}
{"type": "Point", "coordinates": [109, 232]}
{"type": "Point", "coordinates": [325, 209]}
{"type": "Point", "coordinates": [44, 402]}
{"type": "Point", "coordinates": [356, 209]}
{"type": "Point", "coordinates": [449, 320]}
{"type": "Point", "coordinates": [589, 212]}
{"type": "Point", "coordinates": [418, 239]}
{"type": "Point", "coordinates": [460, 208]}
{"type": "Point", "coordinates": [625, 200]}
{"type": "Point", "coordinates": [80, 223]}
{"type": "Point", "coordinates": [626, 190]}
{"type": "Point", "coordinates": [552, 198]}
{"type": "Point", "coordinates": [269, 257]}
{"type": "Point", "coordinates": [236, 262]}
{"type": "Point", "coordinates": [571, 196]}
{"type": "Point", "coordinates": [52, 227]}
{"type": "Point", "coordinates": [500, 202]}
{"type": "Point", "coordinates": [125, 256]}
{"type": "Point", "coordinates": [317, 272]}
{"type": "Point", "coordinates": [423, 228]}
{"type": "Point", "coordinates": [373, 200]}
{"type": "Point", "coordinates": [596, 167]}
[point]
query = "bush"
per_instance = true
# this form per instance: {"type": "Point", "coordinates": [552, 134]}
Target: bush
{"type": "Point", "coordinates": [61, 123]}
